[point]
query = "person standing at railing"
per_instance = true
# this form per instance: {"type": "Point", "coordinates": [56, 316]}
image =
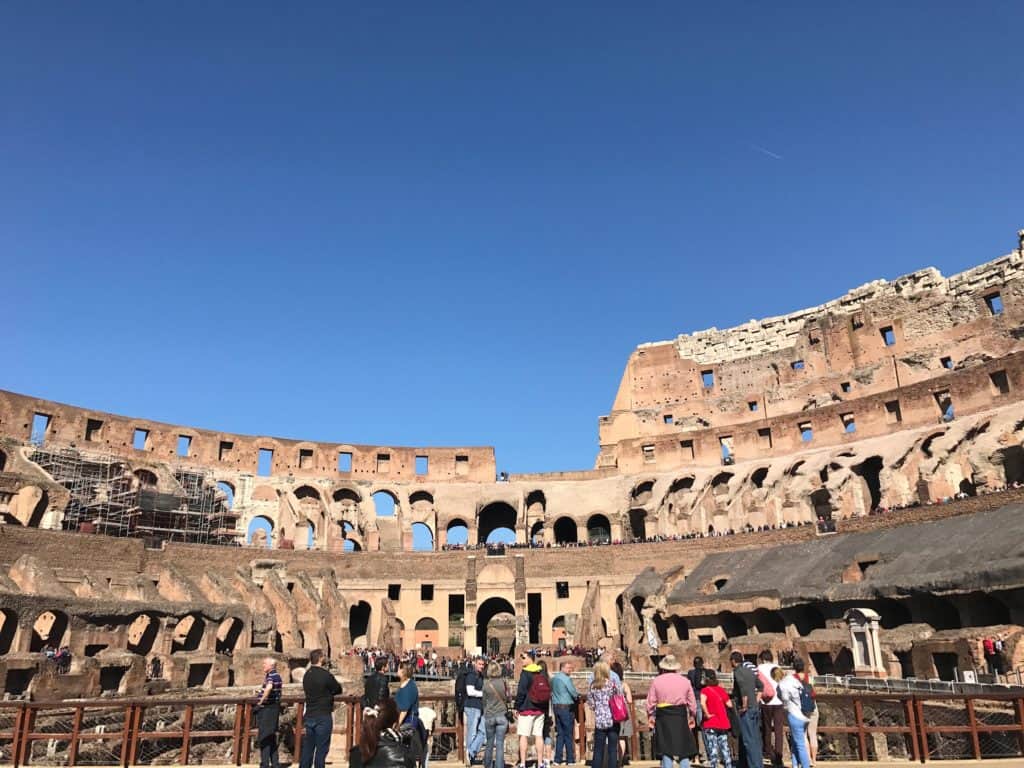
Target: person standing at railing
{"type": "Point", "coordinates": [789, 690]}
{"type": "Point", "coordinates": [320, 687]}
{"type": "Point", "coordinates": [606, 730]}
{"type": "Point", "coordinates": [496, 711]}
{"type": "Point", "coordinates": [671, 713]}
{"type": "Point", "coordinates": [473, 710]}
{"type": "Point", "coordinates": [715, 705]}
{"type": "Point", "coordinates": [267, 710]}
{"type": "Point", "coordinates": [773, 714]}
{"type": "Point", "coordinates": [809, 707]}
{"type": "Point", "coordinates": [564, 698]}
{"type": "Point", "coordinates": [744, 692]}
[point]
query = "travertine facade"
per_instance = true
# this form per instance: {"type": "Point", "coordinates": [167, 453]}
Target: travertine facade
{"type": "Point", "coordinates": [898, 393]}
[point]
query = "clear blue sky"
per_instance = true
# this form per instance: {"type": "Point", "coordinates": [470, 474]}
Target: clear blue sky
{"type": "Point", "coordinates": [450, 223]}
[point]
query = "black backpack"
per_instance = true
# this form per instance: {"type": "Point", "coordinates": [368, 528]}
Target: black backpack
{"type": "Point", "coordinates": [460, 692]}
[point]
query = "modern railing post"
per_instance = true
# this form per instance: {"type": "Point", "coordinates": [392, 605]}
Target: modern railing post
{"type": "Point", "coordinates": [236, 739]}
{"type": "Point", "coordinates": [908, 713]}
{"type": "Point", "coordinates": [127, 734]}
{"type": "Point", "coordinates": [972, 721]}
{"type": "Point", "coordinates": [186, 735]}
{"type": "Point", "coordinates": [18, 747]}
{"type": "Point", "coordinates": [922, 728]}
{"type": "Point", "coordinates": [246, 727]}
{"type": "Point", "coordinates": [76, 728]}
{"type": "Point", "coordinates": [581, 739]}
{"type": "Point", "coordinates": [858, 714]}
{"type": "Point", "coordinates": [1019, 720]}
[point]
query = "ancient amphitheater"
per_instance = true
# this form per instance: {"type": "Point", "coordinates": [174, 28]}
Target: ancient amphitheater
{"type": "Point", "coordinates": [755, 483]}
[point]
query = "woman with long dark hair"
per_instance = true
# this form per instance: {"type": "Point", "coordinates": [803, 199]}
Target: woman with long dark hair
{"type": "Point", "coordinates": [380, 743]}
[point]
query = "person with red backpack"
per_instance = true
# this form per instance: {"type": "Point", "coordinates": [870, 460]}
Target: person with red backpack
{"type": "Point", "coordinates": [533, 696]}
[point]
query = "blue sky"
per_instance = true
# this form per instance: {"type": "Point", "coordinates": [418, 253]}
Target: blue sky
{"type": "Point", "coordinates": [450, 223]}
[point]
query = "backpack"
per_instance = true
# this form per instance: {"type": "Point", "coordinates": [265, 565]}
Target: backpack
{"type": "Point", "coordinates": [989, 645]}
{"type": "Point", "coordinates": [460, 692]}
{"type": "Point", "coordinates": [807, 704]}
{"type": "Point", "coordinates": [539, 691]}
{"type": "Point", "coordinates": [768, 687]}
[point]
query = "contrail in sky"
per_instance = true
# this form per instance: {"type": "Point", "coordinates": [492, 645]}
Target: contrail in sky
{"type": "Point", "coordinates": [764, 151]}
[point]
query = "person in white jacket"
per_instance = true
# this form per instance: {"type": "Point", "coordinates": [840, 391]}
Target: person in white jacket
{"type": "Point", "coordinates": [788, 689]}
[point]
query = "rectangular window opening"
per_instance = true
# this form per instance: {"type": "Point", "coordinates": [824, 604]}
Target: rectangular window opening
{"type": "Point", "coordinates": [426, 592]}
{"type": "Point", "coordinates": [383, 462]}
{"type": "Point", "coordinates": [422, 465]}
{"type": "Point", "coordinates": [225, 449]}
{"type": "Point", "coordinates": [265, 462]}
{"type": "Point", "coordinates": [345, 461]}
{"type": "Point", "coordinates": [686, 447]}
{"type": "Point", "coordinates": [93, 430]}
{"type": "Point", "coordinates": [849, 422]}
{"type": "Point", "coordinates": [764, 438]}
{"type": "Point", "coordinates": [40, 424]}
{"type": "Point", "coordinates": [994, 302]}
{"type": "Point", "coordinates": [893, 414]}
{"type": "Point", "coordinates": [462, 465]}
{"type": "Point", "coordinates": [140, 440]}
{"type": "Point", "coordinates": [945, 404]}
{"type": "Point", "coordinates": [857, 321]}
{"type": "Point", "coordinates": [806, 431]}
{"type": "Point", "coordinates": [725, 441]}
{"type": "Point", "coordinates": [888, 335]}
{"type": "Point", "coordinates": [845, 386]}
{"type": "Point", "coordinates": [305, 458]}
{"type": "Point", "coordinates": [667, 418]}
{"type": "Point", "coordinates": [708, 379]}
{"type": "Point", "coordinates": [648, 453]}
{"type": "Point", "coordinates": [184, 445]}
{"type": "Point", "coordinates": [752, 406]}
{"type": "Point", "coordinates": [456, 609]}
{"type": "Point", "coordinates": [1000, 383]}
{"type": "Point", "coordinates": [562, 589]}
{"type": "Point", "coordinates": [947, 363]}
{"type": "Point", "coordinates": [797, 365]}
{"type": "Point", "coordinates": [394, 591]}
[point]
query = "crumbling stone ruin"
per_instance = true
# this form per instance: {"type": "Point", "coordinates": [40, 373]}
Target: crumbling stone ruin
{"type": "Point", "coordinates": [755, 484]}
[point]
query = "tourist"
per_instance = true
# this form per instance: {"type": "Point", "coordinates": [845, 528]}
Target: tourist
{"type": "Point", "coordinates": [495, 715]}
{"type": "Point", "coordinates": [696, 678]}
{"type": "Point", "coordinates": [320, 688]}
{"type": "Point", "coordinates": [375, 684]}
{"type": "Point", "coordinates": [744, 693]}
{"type": "Point", "coordinates": [533, 695]}
{"type": "Point", "coordinates": [606, 730]}
{"type": "Point", "coordinates": [268, 713]}
{"type": "Point", "coordinates": [790, 693]}
{"type": "Point", "coordinates": [407, 699]}
{"type": "Point", "coordinates": [671, 713]}
{"type": "Point", "coordinates": [427, 717]}
{"type": "Point", "coordinates": [473, 710]}
{"type": "Point", "coordinates": [380, 743]}
{"type": "Point", "coordinates": [773, 714]}
{"type": "Point", "coordinates": [564, 700]}
{"type": "Point", "coordinates": [809, 707]}
{"type": "Point", "coordinates": [626, 726]}
{"type": "Point", "coordinates": [716, 724]}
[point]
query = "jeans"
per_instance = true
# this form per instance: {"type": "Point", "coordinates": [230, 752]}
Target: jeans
{"type": "Point", "coordinates": [495, 726]}
{"type": "Point", "coordinates": [316, 740]}
{"type": "Point", "coordinates": [564, 745]}
{"type": "Point", "coordinates": [606, 747]}
{"type": "Point", "coordinates": [716, 744]}
{"type": "Point", "coordinates": [474, 730]}
{"type": "Point", "coordinates": [666, 762]}
{"type": "Point", "coordinates": [750, 737]}
{"type": "Point", "coordinates": [267, 718]}
{"type": "Point", "coordinates": [798, 741]}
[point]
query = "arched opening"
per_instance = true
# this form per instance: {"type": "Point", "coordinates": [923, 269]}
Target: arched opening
{"type": "Point", "coordinates": [50, 629]}
{"type": "Point", "coordinates": [806, 619]}
{"type": "Point", "coordinates": [821, 503]}
{"type": "Point", "coordinates": [349, 537]}
{"type": "Point", "coordinates": [457, 533]}
{"type": "Point", "coordinates": [537, 533]}
{"type": "Point", "coordinates": [682, 484]}
{"type": "Point", "coordinates": [565, 531]}
{"type": "Point", "coordinates": [937, 611]}
{"type": "Point", "coordinates": [260, 532]}
{"type": "Point", "coordinates": [3, 461]}
{"type": "Point", "coordinates": [720, 483]}
{"type": "Point", "coordinates": [346, 497]}
{"type": "Point", "coordinates": [844, 662]}
{"type": "Point", "coordinates": [307, 492]}
{"type": "Point", "coordinates": [8, 630]}
{"type": "Point", "coordinates": [426, 633]}
{"type": "Point", "coordinates": [795, 468]}
{"type": "Point", "coordinates": [421, 502]}
{"type": "Point", "coordinates": [496, 524]}
{"type": "Point", "coordinates": [599, 530]}
{"type": "Point", "coordinates": [229, 493]}
{"type": "Point", "coordinates": [871, 471]}
{"type": "Point", "coordinates": [758, 476]}
{"type": "Point", "coordinates": [493, 625]}
{"type": "Point", "coordinates": [1012, 459]}
{"type": "Point", "coordinates": [981, 609]}
{"type": "Point", "coordinates": [893, 613]}
{"type": "Point", "coordinates": [638, 523]}
{"type": "Point", "coordinates": [765, 621]}
{"type": "Point", "coordinates": [227, 635]}
{"type": "Point", "coordinates": [967, 488]}
{"type": "Point", "coordinates": [142, 633]}
{"type": "Point", "coordinates": [359, 623]}
{"type": "Point", "coordinates": [641, 494]}
{"type": "Point", "coordinates": [146, 478]}
{"type": "Point", "coordinates": [681, 627]}
{"type": "Point", "coordinates": [731, 624]}
{"type": "Point", "coordinates": [422, 538]}
{"type": "Point", "coordinates": [188, 633]}
{"type": "Point", "coordinates": [536, 503]}
{"type": "Point", "coordinates": [558, 631]}
{"type": "Point", "coordinates": [926, 444]}
{"type": "Point", "coordinates": [384, 502]}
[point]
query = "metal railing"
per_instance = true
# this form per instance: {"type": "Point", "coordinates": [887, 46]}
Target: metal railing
{"type": "Point", "coordinates": [852, 726]}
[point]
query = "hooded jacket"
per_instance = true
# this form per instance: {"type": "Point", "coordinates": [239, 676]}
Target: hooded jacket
{"type": "Point", "coordinates": [523, 703]}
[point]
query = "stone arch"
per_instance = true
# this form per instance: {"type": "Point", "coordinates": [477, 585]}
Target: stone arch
{"type": "Point", "coordinates": [142, 633]}
{"type": "Point", "coordinates": [821, 503]}
{"type": "Point", "coordinates": [425, 535]}
{"type": "Point", "coordinates": [146, 478]}
{"type": "Point", "coordinates": [421, 502]}
{"type": "Point", "coordinates": [720, 483]}
{"type": "Point", "coordinates": [681, 484]}
{"type": "Point", "coordinates": [794, 468]}
{"type": "Point", "coordinates": [359, 623]}
{"type": "Point", "coordinates": [385, 503]}
{"type": "Point", "coordinates": [494, 521]}
{"type": "Point", "coordinates": [537, 533]}
{"type": "Point", "coordinates": [757, 477]}
{"type": "Point", "coordinates": [307, 492]}
{"type": "Point", "coordinates": [50, 628]}
{"type": "Point", "coordinates": [558, 629]}
{"type": "Point", "coordinates": [8, 630]}
{"type": "Point", "coordinates": [228, 634]}
{"type": "Point", "coordinates": [536, 503]}
{"type": "Point", "coordinates": [188, 633]}
{"type": "Point", "coordinates": [599, 529]}
{"type": "Point", "coordinates": [565, 531]}
{"type": "Point", "coordinates": [638, 523]}
{"type": "Point", "coordinates": [870, 470]}
{"type": "Point", "coordinates": [456, 533]}
{"type": "Point", "coordinates": [346, 496]}
{"type": "Point", "coordinates": [426, 632]}
{"type": "Point", "coordinates": [642, 492]}
{"type": "Point", "coordinates": [260, 531]}
{"type": "Point", "coordinates": [488, 610]}
{"type": "Point", "coordinates": [229, 492]}
{"type": "Point", "coordinates": [926, 444]}
{"type": "Point", "coordinates": [732, 625]}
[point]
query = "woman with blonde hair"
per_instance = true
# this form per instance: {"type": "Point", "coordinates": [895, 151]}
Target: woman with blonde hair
{"type": "Point", "coordinates": [606, 730]}
{"type": "Point", "coordinates": [495, 717]}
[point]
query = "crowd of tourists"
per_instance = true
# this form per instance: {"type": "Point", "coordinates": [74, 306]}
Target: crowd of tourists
{"type": "Point", "coordinates": [59, 657]}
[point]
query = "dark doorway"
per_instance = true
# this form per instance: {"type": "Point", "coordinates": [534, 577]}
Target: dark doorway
{"type": "Point", "coordinates": [359, 621]}
{"type": "Point", "coordinates": [946, 665]}
{"type": "Point", "coordinates": [533, 610]}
